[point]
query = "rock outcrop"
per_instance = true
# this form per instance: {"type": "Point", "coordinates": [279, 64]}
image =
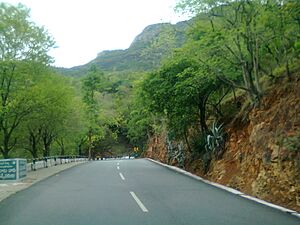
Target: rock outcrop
{"type": "Point", "coordinates": [262, 156]}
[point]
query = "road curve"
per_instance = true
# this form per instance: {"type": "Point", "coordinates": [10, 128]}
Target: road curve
{"type": "Point", "coordinates": [133, 192]}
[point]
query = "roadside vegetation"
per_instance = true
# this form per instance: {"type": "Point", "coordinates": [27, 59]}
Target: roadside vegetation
{"type": "Point", "coordinates": [41, 112]}
{"type": "Point", "coordinates": [233, 52]}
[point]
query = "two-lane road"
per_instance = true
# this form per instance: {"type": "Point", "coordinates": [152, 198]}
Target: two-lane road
{"type": "Point", "coordinates": [133, 192]}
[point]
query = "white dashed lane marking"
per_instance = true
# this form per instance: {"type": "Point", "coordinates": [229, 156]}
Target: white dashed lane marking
{"type": "Point", "coordinates": [122, 177]}
{"type": "Point", "coordinates": [139, 202]}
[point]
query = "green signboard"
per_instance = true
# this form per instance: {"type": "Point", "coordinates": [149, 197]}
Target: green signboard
{"type": "Point", "coordinates": [22, 168]}
{"type": "Point", "coordinates": [13, 169]}
{"type": "Point", "coordinates": [8, 170]}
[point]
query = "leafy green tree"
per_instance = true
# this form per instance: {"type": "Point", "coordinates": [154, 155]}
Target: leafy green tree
{"type": "Point", "coordinates": [76, 132]}
{"type": "Point", "coordinates": [241, 35]}
{"type": "Point", "coordinates": [59, 120]}
{"type": "Point", "coordinates": [91, 85]}
{"type": "Point", "coordinates": [74, 127]}
{"type": "Point", "coordinates": [281, 27]}
{"type": "Point", "coordinates": [140, 120]}
{"type": "Point", "coordinates": [52, 122]}
{"type": "Point", "coordinates": [21, 39]}
{"type": "Point", "coordinates": [179, 92]}
{"type": "Point", "coordinates": [23, 46]}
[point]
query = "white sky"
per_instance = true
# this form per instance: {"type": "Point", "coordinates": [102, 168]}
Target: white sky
{"type": "Point", "coordinates": [83, 28]}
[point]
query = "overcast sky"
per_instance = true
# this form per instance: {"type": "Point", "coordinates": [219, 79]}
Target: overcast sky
{"type": "Point", "coordinates": [83, 28]}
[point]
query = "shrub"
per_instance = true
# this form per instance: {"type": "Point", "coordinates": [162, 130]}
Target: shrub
{"type": "Point", "coordinates": [198, 145]}
{"type": "Point", "coordinates": [215, 140]}
{"type": "Point", "coordinates": [292, 143]}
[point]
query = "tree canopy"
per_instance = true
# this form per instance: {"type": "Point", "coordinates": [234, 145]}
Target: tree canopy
{"type": "Point", "coordinates": [227, 50]}
{"type": "Point", "coordinates": [36, 105]}
{"type": "Point", "coordinates": [231, 45]}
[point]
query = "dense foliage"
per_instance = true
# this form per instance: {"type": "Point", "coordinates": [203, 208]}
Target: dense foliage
{"type": "Point", "coordinates": [231, 48]}
{"type": "Point", "coordinates": [37, 107]}
{"type": "Point", "coordinates": [231, 45]}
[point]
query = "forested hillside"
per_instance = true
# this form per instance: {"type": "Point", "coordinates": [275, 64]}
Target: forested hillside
{"type": "Point", "coordinates": [204, 94]}
{"type": "Point", "coordinates": [81, 111]}
{"type": "Point", "coordinates": [234, 51]}
{"type": "Point", "coordinates": [210, 109]}
{"type": "Point", "coordinates": [146, 52]}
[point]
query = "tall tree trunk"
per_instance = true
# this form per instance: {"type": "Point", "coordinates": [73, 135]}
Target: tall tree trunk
{"type": "Point", "coordinates": [187, 141]}
{"type": "Point", "coordinates": [62, 148]}
{"type": "Point", "coordinates": [34, 154]}
{"type": "Point", "coordinates": [46, 151]}
{"type": "Point", "coordinates": [246, 66]}
{"type": "Point", "coordinates": [33, 145]}
{"type": "Point", "coordinates": [255, 59]}
{"type": "Point", "coordinates": [80, 144]}
{"type": "Point", "coordinates": [90, 143]}
{"type": "Point", "coordinates": [5, 154]}
{"type": "Point", "coordinates": [253, 93]}
{"type": "Point", "coordinates": [79, 148]}
{"type": "Point", "coordinates": [6, 148]}
{"type": "Point", "coordinates": [47, 140]}
{"type": "Point", "coordinates": [202, 116]}
{"type": "Point", "coordinates": [60, 142]}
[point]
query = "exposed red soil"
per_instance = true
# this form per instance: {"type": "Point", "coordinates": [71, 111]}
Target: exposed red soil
{"type": "Point", "coordinates": [262, 156]}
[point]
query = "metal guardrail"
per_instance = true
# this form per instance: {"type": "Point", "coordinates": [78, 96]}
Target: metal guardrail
{"type": "Point", "coordinates": [45, 162]}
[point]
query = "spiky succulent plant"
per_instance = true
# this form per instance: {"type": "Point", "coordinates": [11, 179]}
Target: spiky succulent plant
{"type": "Point", "coordinates": [215, 140]}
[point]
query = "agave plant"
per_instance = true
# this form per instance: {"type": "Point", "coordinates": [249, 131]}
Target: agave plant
{"type": "Point", "coordinates": [215, 140]}
{"type": "Point", "coordinates": [175, 152]}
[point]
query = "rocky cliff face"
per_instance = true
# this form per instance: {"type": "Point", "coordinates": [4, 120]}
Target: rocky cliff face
{"type": "Point", "coordinates": [262, 157]}
{"type": "Point", "coordinates": [156, 42]}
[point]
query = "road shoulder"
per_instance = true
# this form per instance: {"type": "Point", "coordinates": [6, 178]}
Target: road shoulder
{"type": "Point", "coordinates": [228, 189]}
{"type": "Point", "coordinates": [9, 188]}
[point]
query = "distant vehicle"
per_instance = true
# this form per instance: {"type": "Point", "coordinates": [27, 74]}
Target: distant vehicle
{"type": "Point", "coordinates": [127, 157]}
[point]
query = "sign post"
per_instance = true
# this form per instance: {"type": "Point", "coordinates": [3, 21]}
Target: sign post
{"type": "Point", "coordinates": [13, 169]}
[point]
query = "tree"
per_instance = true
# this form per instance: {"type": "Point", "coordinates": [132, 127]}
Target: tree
{"type": "Point", "coordinates": [242, 34]}
{"type": "Point", "coordinates": [21, 39]}
{"type": "Point", "coordinates": [73, 130]}
{"type": "Point", "coordinates": [23, 46]}
{"type": "Point", "coordinates": [281, 22]}
{"type": "Point", "coordinates": [140, 122]}
{"type": "Point", "coordinates": [91, 84]}
{"type": "Point", "coordinates": [54, 108]}
{"type": "Point", "coordinates": [179, 92]}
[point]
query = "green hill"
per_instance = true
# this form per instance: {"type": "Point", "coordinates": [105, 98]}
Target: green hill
{"type": "Point", "coordinates": [144, 54]}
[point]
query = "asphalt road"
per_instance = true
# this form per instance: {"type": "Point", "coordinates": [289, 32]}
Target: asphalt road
{"type": "Point", "coordinates": [133, 192]}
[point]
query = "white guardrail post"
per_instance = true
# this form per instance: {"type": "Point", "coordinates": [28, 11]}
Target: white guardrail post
{"type": "Point", "coordinates": [46, 162]}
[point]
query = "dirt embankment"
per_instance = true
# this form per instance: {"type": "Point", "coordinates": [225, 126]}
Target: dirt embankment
{"type": "Point", "coordinates": [262, 156]}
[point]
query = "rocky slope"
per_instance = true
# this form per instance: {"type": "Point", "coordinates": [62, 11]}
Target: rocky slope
{"type": "Point", "coordinates": [146, 52]}
{"type": "Point", "coordinates": [262, 156]}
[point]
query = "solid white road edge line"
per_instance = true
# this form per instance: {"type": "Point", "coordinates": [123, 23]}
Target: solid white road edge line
{"type": "Point", "coordinates": [138, 201]}
{"type": "Point", "coordinates": [231, 190]}
{"type": "Point", "coordinates": [122, 177]}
